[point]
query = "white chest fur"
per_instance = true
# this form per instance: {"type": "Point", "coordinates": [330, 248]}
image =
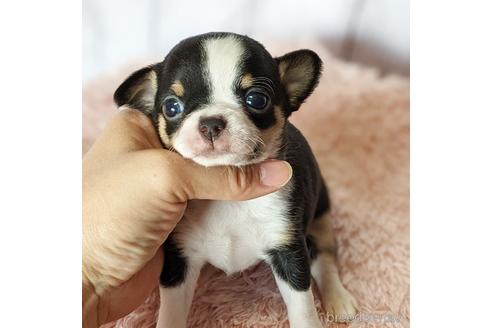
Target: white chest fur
{"type": "Point", "coordinates": [231, 235]}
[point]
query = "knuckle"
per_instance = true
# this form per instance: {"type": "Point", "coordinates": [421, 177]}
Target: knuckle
{"type": "Point", "coordinates": [241, 180]}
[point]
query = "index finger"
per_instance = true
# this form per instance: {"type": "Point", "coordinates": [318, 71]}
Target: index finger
{"type": "Point", "coordinates": [127, 131]}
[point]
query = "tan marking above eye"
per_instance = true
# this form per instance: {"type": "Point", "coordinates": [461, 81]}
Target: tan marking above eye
{"type": "Point", "coordinates": [177, 88]}
{"type": "Point", "coordinates": [246, 81]}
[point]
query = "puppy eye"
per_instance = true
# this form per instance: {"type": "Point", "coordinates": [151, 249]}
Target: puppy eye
{"type": "Point", "coordinates": [172, 107]}
{"type": "Point", "coordinates": [257, 100]}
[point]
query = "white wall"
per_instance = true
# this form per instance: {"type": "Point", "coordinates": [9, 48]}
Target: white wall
{"type": "Point", "coordinates": [371, 31]}
{"type": "Point", "coordinates": [382, 35]}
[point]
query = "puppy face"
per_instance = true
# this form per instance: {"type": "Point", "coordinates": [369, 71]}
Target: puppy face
{"type": "Point", "coordinates": [220, 98]}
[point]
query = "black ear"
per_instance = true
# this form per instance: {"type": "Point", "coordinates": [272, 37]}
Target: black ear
{"type": "Point", "coordinates": [299, 73]}
{"type": "Point", "coordinates": [139, 89]}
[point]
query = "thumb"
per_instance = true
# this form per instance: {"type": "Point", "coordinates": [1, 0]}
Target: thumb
{"type": "Point", "coordinates": [236, 183]}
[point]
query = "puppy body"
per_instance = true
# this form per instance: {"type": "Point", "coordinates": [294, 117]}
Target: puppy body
{"type": "Point", "coordinates": [221, 99]}
{"type": "Point", "coordinates": [237, 243]}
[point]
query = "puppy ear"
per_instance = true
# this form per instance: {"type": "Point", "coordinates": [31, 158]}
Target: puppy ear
{"type": "Point", "coordinates": [139, 90]}
{"type": "Point", "coordinates": [299, 73]}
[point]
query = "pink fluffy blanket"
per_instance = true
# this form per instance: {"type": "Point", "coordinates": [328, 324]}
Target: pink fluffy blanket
{"type": "Point", "coordinates": [358, 126]}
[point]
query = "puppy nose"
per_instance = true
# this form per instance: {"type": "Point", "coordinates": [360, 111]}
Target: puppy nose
{"type": "Point", "coordinates": [211, 127]}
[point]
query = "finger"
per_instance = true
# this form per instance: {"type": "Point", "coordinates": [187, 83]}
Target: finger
{"type": "Point", "coordinates": [235, 183]}
{"type": "Point", "coordinates": [128, 130]}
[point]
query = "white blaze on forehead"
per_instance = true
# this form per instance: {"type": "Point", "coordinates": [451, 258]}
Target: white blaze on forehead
{"type": "Point", "coordinates": [223, 64]}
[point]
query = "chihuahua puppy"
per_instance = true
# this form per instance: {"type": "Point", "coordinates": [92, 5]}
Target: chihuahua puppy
{"type": "Point", "coordinates": [221, 99]}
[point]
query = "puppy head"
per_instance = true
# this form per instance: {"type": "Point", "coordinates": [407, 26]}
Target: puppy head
{"type": "Point", "coordinates": [220, 98]}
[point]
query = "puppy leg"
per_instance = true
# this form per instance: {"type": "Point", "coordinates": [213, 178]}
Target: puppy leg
{"type": "Point", "coordinates": [178, 282]}
{"type": "Point", "coordinates": [336, 299]}
{"type": "Point", "coordinates": [290, 266]}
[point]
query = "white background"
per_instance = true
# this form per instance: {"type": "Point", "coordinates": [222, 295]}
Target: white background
{"type": "Point", "coordinates": [40, 180]}
{"type": "Point", "coordinates": [374, 32]}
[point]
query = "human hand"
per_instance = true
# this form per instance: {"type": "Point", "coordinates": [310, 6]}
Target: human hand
{"type": "Point", "coordinates": [134, 194]}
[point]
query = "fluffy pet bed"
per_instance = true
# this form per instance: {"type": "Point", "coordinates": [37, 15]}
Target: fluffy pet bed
{"type": "Point", "coordinates": [358, 126]}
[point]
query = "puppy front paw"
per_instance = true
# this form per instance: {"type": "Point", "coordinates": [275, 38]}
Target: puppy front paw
{"type": "Point", "coordinates": [341, 304]}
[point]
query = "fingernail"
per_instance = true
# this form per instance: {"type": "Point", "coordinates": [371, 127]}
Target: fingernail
{"type": "Point", "coordinates": [275, 173]}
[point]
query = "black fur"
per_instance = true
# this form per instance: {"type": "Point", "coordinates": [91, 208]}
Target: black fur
{"type": "Point", "coordinates": [309, 197]}
{"type": "Point", "coordinates": [174, 264]}
{"type": "Point", "coordinates": [291, 263]}
{"type": "Point", "coordinates": [185, 63]}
